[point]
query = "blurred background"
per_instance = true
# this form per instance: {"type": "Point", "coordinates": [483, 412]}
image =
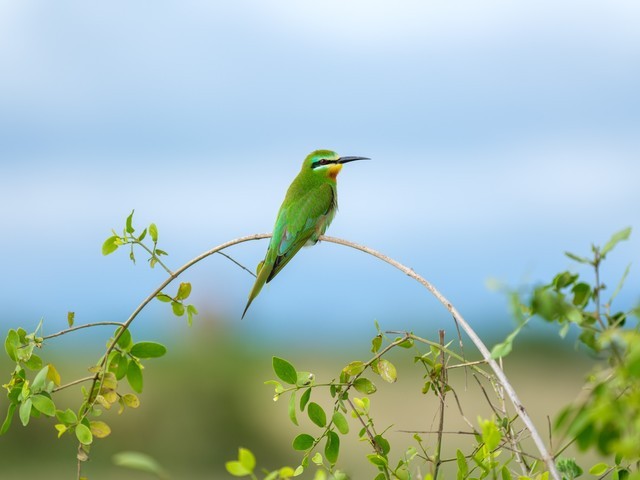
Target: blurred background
{"type": "Point", "coordinates": [501, 133]}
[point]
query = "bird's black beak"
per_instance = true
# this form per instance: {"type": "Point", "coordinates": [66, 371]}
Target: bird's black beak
{"type": "Point", "coordinates": [351, 159]}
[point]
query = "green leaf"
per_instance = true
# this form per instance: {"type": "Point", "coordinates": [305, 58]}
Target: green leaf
{"type": "Point", "coordinates": [99, 429]}
{"type": "Point", "coordinates": [387, 370]}
{"type": "Point", "coordinates": [34, 362]}
{"type": "Point", "coordinates": [598, 468]}
{"type": "Point", "coordinates": [70, 318]}
{"type": "Point", "coordinates": [304, 378]}
{"type": "Point", "coordinates": [184, 290]}
{"type": "Point", "coordinates": [362, 405]}
{"type": "Point", "coordinates": [129, 227]}
{"type": "Point", "coordinates": [191, 311]}
{"type": "Point", "coordinates": [125, 341]}
{"type": "Point", "coordinates": [574, 315]}
{"type": "Point", "coordinates": [376, 343]}
{"type": "Point", "coordinates": [22, 333]}
{"type": "Point", "coordinates": [563, 279]}
{"type": "Point", "coordinates": [153, 232]}
{"type": "Point", "coordinates": [382, 443]}
{"type": "Point", "coordinates": [25, 411]}
{"type": "Point", "coordinates": [110, 245]}
{"type": "Point", "coordinates": [620, 284]}
{"type": "Point", "coordinates": [68, 416]}
{"type": "Point", "coordinates": [614, 240]}
{"type": "Point", "coordinates": [15, 392]}
{"type": "Point", "coordinates": [44, 404]}
{"type": "Point", "coordinates": [304, 399]}
{"type": "Point", "coordinates": [505, 473]}
{"type": "Point", "coordinates": [83, 434]}
{"type": "Point", "coordinates": [546, 304]}
{"type": "Point", "coordinates": [292, 408]}
{"type": "Point", "coordinates": [317, 459]}
{"type": "Point", "coordinates": [247, 459]}
{"type": "Point", "coordinates": [130, 400]}
{"type": "Point", "coordinates": [332, 447]}
{"type": "Point", "coordinates": [142, 235]}
{"type": "Point", "coordinates": [378, 460]}
{"type": "Point", "coordinates": [316, 414]}
{"type": "Point", "coordinates": [501, 349]}
{"type": "Point", "coordinates": [235, 468]}
{"type": "Point", "coordinates": [564, 330]}
{"type": "Point", "coordinates": [40, 379]}
{"type": "Point", "coordinates": [504, 348]}
{"type": "Point", "coordinates": [277, 387]}
{"type": "Point", "coordinates": [164, 297]}
{"type": "Point", "coordinates": [461, 460]}
{"type": "Point", "coordinates": [122, 367]}
{"type": "Point", "coordinates": [364, 385]}
{"type": "Point", "coordinates": [7, 421]}
{"type": "Point", "coordinates": [134, 376]}
{"type": "Point", "coordinates": [109, 381]}
{"type": "Point", "coordinates": [25, 350]}
{"type": "Point", "coordinates": [178, 308]}
{"type": "Point", "coordinates": [148, 350]}
{"type": "Point", "coordinates": [141, 462]}
{"type": "Point", "coordinates": [354, 368]}
{"type": "Point", "coordinates": [11, 344]}
{"type": "Point", "coordinates": [303, 441]}
{"type": "Point", "coordinates": [490, 434]}
{"type": "Point", "coordinates": [577, 258]}
{"type": "Point", "coordinates": [285, 371]}
{"type": "Point", "coordinates": [581, 294]}
{"type": "Point", "coordinates": [340, 422]}
{"type": "Point", "coordinates": [402, 472]}
{"type": "Point", "coordinates": [569, 468]}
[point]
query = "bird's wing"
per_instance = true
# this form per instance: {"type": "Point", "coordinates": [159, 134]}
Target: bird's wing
{"type": "Point", "coordinates": [297, 224]}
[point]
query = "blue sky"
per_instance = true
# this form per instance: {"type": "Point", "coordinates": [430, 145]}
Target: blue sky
{"type": "Point", "coordinates": [502, 133]}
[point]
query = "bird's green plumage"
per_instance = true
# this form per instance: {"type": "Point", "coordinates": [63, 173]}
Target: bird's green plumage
{"type": "Point", "coordinates": [307, 210]}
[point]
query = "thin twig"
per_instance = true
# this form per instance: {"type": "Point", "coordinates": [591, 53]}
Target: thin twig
{"type": "Point", "coordinates": [135, 241]}
{"type": "Point", "coordinates": [237, 263]}
{"type": "Point", "coordinates": [374, 444]}
{"type": "Point", "coordinates": [486, 396]}
{"type": "Point", "coordinates": [464, 417]}
{"type": "Point", "coordinates": [79, 327]}
{"type": "Point", "coordinates": [453, 354]}
{"type": "Point", "coordinates": [468, 364]}
{"type": "Point", "coordinates": [71, 384]}
{"type": "Point", "coordinates": [445, 432]}
{"type": "Point", "coordinates": [466, 374]}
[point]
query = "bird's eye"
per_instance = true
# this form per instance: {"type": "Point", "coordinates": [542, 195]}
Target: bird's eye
{"type": "Point", "coordinates": [318, 163]}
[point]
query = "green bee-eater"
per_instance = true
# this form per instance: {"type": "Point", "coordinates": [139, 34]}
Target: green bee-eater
{"type": "Point", "coordinates": [306, 212]}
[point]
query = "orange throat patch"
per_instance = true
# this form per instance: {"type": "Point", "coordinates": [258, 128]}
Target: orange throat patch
{"type": "Point", "coordinates": [334, 170]}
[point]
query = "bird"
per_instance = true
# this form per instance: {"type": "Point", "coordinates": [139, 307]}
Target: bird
{"type": "Point", "coordinates": [308, 208]}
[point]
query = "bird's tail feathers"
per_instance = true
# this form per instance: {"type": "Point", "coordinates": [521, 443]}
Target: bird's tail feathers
{"type": "Point", "coordinates": [263, 274]}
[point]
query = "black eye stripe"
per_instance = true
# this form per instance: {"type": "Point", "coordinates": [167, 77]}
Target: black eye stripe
{"type": "Point", "coordinates": [322, 161]}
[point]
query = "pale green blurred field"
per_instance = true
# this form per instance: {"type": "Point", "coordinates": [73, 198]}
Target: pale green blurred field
{"type": "Point", "coordinates": [206, 398]}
